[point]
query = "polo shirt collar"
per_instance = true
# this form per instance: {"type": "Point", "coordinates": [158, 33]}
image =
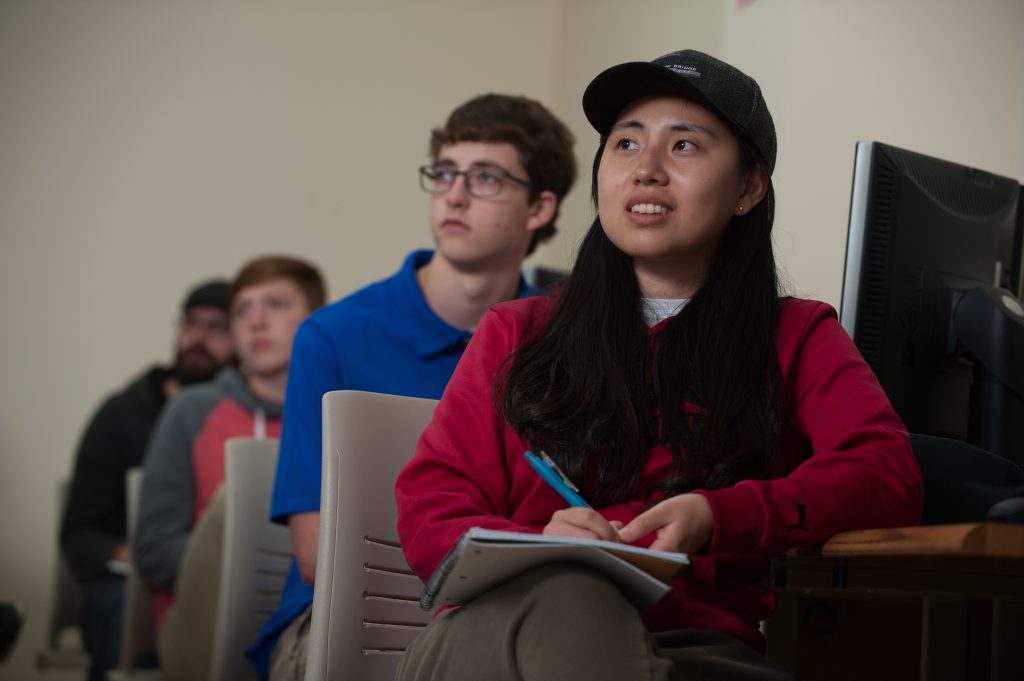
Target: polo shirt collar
{"type": "Point", "coordinates": [429, 334]}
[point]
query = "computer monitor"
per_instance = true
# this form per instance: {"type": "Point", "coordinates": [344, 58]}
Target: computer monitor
{"type": "Point", "coordinates": [931, 293]}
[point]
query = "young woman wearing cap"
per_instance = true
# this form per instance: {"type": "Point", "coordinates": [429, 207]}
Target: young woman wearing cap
{"type": "Point", "coordinates": [696, 408]}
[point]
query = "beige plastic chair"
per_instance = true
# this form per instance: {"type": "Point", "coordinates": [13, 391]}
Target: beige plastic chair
{"type": "Point", "coordinates": [64, 646]}
{"type": "Point", "coordinates": [254, 566]}
{"type": "Point", "coordinates": [257, 554]}
{"type": "Point", "coordinates": [366, 599]}
{"type": "Point", "coordinates": [138, 633]}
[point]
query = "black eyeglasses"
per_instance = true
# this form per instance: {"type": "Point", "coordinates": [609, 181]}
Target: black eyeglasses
{"type": "Point", "coordinates": [482, 182]}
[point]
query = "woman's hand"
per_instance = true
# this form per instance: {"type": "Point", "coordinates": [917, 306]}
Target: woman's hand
{"type": "Point", "coordinates": [682, 523]}
{"type": "Point", "coordinates": [582, 522]}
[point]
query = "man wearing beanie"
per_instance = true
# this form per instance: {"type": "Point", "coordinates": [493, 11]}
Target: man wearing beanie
{"type": "Point", "coordinates": [92, 535]}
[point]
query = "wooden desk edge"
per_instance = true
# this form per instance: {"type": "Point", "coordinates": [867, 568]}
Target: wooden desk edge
{"type": "Point", "coordinates": [969, 539]}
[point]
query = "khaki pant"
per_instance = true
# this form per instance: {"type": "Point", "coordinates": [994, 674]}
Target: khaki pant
{"type": "Point", "coordinates": [288, 661]}
{"type": "Point", "coordinates": [562, 622]}
{"type": "Point", "coordinates": [186, 639]}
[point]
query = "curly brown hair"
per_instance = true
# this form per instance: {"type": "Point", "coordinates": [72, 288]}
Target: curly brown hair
{"type": "Point", "coordinates": [543, 142]}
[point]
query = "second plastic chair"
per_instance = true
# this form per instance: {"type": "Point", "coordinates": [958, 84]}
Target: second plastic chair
{"type": "Point", "coordinates": [257, 554]}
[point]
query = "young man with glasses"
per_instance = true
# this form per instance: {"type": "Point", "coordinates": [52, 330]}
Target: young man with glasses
{"type": "Point", "coordinates": [500, 167]}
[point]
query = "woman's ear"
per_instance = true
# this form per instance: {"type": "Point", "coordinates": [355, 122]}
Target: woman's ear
{"type": "Point", "coordinates": [755, 186]}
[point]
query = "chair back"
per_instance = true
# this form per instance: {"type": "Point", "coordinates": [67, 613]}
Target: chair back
{"type": "Point", "coordinates": [256, 556]}
{"type": "Point", "coordinates": [366, 599]}
{"type": "Point", "coordinates": [138, 626]}
{"type": "Point", "coordinates": [962, 481]}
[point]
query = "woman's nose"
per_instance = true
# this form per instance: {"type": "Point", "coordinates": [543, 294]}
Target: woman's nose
{"type": "Point", "coordinates": [649, 169]}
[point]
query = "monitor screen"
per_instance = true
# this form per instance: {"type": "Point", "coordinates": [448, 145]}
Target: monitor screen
{"type": "Point", "coordinates": [923, 232]}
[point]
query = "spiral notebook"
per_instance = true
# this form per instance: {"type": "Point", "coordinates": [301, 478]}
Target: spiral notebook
{"type": "Point", "coordinates": [483, 559]}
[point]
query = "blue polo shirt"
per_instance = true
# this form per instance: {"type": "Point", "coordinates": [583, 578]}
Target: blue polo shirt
{"type": "Point", "coordinates": [383, 338]}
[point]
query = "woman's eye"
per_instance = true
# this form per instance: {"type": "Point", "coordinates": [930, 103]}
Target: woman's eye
{"type": "Point", "coordinates": [486, 178]}
{"type": "Point", "coordinates": [626, 144]}
{"type": "Point", "coordinates": [684, 145]}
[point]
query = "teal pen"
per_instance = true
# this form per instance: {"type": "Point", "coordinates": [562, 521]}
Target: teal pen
{"type": "Point", "coordinates": [553, 475]}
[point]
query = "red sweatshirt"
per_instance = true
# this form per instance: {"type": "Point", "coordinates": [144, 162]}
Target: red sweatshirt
{"type": "Point", "coordinates": [852, 469]}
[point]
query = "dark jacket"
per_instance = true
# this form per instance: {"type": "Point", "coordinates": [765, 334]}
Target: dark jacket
{"type": "Point", "coordinates": [115, 440]}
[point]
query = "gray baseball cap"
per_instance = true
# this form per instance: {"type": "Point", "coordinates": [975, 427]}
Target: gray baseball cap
{"type": "Point", "coordinates": [692, 75]}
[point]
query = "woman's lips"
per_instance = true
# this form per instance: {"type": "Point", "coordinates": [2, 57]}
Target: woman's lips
{"type": "Point", "coordinates": [649, 208]}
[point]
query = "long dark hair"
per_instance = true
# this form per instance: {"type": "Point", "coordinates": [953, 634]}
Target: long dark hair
{"type": "Point", "coordinates": [589, 387]}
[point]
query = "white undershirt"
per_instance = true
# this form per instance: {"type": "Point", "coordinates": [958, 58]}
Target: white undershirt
{"type": "Point", "coordinates": [658, 309]}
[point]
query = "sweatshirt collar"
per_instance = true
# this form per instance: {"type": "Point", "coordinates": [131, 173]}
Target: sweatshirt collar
{"type": "Point", "coordinates": [232, 382]}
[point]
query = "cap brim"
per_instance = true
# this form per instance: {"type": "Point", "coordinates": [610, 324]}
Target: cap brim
{"type": "Point", "coordinates": [613, 89]}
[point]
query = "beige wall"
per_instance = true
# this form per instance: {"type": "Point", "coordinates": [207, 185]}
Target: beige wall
{"type": "Point", "coordinates": [942, 77]}
{"type": "Point", "coordinates": [144, 145]}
